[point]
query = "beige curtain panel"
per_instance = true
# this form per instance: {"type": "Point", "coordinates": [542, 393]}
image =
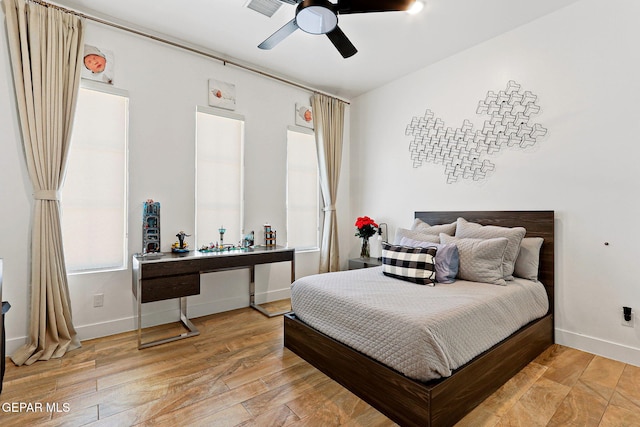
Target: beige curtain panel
{"type": "Point", "coordinates": [328, 116]}
{"type": "Point", "coordinates": [46, 56]}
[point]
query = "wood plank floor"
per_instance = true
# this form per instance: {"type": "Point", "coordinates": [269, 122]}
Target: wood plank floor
{"type": "Point", "coordinates": [236, 373]}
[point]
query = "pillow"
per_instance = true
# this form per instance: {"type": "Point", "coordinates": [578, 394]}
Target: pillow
{"type": "Point", "coordinates": [480, 259]}
{"type": "Point", "coordinates": [423, 227]}
{"type": "Point", "coordinates": [415, 265]}
{"type": "Point", "coordinates": [447, 258]}
{"type": "Point", "coordinates": [465, 229]}
{"type": "Point", "coordinates": [415, 235]}
{"type": "Point", "coordinates": [528, 260]}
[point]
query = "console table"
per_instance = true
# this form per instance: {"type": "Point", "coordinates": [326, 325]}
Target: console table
{"type": "Point", "coordinates": [172, 275]}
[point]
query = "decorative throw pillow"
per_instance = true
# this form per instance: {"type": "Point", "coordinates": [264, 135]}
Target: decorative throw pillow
{"type": "Point", "coordinates": [480, 259]}
{"type": "Point", "coordinates": [423, 227]}
{"type": "Point", "coordinates": [466, 229]}
{"type": "Point", "coordinates": [415, 265]}
{"type": "Point", "coordinates": [447, 258]}
{"type": "Point", "coordinates": [415, 235]}
{"type": "Point", "coordinates": [528, 260]}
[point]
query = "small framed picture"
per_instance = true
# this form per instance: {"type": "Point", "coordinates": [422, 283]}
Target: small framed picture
{"type": "Point", "coordinates": [304, 116]}
{"type": "Point", "coordinates": [222, 94]}
{"type": "Point", "coordinates": [97, 64]}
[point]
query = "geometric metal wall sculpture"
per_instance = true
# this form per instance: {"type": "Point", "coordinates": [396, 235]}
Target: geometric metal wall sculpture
{"type": "Point", "coordinates": [463, 151]}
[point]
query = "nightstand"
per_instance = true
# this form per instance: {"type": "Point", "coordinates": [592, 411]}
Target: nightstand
{"type": "Point", "coordinates": [355, 263]}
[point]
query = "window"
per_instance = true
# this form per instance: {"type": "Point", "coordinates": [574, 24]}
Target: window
{"type": "Point", "coordinates": [303, 198]}
{"type": "Point", "coordinates": [219, 176]}
{"type": "Point", "coordinates": [94, 195]}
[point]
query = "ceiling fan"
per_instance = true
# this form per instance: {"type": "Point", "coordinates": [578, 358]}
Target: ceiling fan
{"type": "Point", "coordinates": [321, 17]}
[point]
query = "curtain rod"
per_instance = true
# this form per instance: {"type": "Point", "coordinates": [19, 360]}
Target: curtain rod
{"type": "Point", "coordinates": [192, 49]}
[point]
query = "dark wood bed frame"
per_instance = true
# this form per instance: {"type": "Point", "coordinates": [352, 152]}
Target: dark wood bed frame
{"type": "Point", "coordinates": [445, 401]}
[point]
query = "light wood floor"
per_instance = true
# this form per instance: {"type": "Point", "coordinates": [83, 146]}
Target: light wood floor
{"type": "Point", "coordinates": [237, 373]}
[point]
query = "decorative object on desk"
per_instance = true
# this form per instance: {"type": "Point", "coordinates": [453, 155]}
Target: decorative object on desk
{"type": "Point", "coordinates": [366, 227]}
{"type": "Point", "coordinates": [180, 246]}
{"type": "Point", "coordinates": [221, 230]}
{"type": "Point", "coordinates": [249, 240]}
{"type": "Point", "coordinates": [269, 236]}
{"type": "Point", "coordinates": [150, 227]}
{"type": "Point", "coordinates": [215, 247]}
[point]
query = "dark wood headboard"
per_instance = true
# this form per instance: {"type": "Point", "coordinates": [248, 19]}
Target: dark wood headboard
{"type": "Point", "coordinates": [537, 223]}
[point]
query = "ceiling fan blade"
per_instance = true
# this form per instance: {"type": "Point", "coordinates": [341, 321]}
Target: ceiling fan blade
{"type": "Point", "coordinates": [363, 6]}
{"type": "Point", "coordinates": [279, 35]}
{"type": "Point", "coordinates": [342, 43]}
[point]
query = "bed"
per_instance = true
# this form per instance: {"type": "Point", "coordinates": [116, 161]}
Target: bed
{"type": "Point", "coordinates": [443, 401]}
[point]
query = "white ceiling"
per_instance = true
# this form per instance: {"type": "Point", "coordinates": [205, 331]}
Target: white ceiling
{"type": "Point", "coordinates": [390, 44]}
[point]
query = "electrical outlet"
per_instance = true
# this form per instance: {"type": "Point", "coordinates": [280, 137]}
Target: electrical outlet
{"type": "Point", "coordinates": [630, 322]}
{"type": "Point", "coordinates": [98, 300]}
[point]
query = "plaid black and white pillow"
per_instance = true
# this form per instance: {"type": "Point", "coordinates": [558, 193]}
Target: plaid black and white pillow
{"type": "Point", "coordinates": [415, 265]}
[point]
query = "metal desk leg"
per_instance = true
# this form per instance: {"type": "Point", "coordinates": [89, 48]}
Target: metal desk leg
{"type": "Point", "coordinates": [192, 330]}
{"type": "Point", "coordinates": [252, 296]}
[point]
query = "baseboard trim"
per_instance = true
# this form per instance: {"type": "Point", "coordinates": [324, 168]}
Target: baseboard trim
{"type": "Point", "coordinates": [600, 347]}
{"type": "Point", "coordinates": [117, 326]}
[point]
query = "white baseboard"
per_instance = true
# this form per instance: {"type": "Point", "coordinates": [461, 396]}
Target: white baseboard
{"type": "Point", "coordinates": [599, 347]}
{"type": "Point", "coordinates": [13, 344]}
{"type": "Point", "coordinates": [117, 326]}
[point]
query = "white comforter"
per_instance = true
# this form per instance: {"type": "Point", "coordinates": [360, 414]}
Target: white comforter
{"type": "Point", "coordinates": [421, 331]}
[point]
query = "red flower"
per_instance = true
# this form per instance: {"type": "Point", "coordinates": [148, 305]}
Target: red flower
{"type": "Point", "coordinates": [366, 227]}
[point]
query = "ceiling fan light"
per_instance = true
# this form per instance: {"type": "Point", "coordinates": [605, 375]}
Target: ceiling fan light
{"type": "Point", "coordinates": [416, 7]}
{"type": "Point", "coordinates": [316, 19]}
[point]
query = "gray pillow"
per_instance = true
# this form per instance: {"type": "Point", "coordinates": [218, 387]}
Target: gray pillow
{"type": "Point", "coordinates": [480, 259]}
{"type": "Point", "coordinates": [466, 229]}
{"type": "Point", "coordinates": [423, 227]}
{"type": "Point", "coordinates": [528, 260]}
{"type": "Point", "coordinates": [447, 258]}
{"type": "Point", "coordinates": [415, 235]}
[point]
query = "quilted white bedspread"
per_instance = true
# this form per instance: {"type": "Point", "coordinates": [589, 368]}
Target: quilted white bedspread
{"type": "Point", "coordinates": [421, 331]}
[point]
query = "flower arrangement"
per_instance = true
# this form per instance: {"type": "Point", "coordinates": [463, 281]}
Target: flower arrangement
{"type": "Point", "coordinates": [366, 227]}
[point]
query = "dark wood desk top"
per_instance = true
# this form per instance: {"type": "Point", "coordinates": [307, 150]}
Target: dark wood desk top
{"type": "Point", "coordinates": [200, 262]}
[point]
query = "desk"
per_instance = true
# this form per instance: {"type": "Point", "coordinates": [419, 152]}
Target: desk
{"type": "Point", "coordinates": [178, 276]}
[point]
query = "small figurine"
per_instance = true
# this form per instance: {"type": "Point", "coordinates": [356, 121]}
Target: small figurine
{"type": "Point", "coordinates": [180, 245]}
{"type": "Point", "coordinates": [248, 240]}
{"type": "Point", "coordinates": [269, 236]}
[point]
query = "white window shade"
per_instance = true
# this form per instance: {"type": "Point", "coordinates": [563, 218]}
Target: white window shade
{"type": "Point", "coordinates": [303, 209]}
{"type": "Point", "coordinates": [219, 176]}
{"type": "Point", "coordinates": [94, 194]}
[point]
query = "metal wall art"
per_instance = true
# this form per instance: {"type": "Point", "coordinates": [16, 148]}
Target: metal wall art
{"type": "Point", "coordinates": [463, 150]}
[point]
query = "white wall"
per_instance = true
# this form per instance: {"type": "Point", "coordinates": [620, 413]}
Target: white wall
{"type": "Point", "coordinates": [583, 63]}
{"type": "Point", "coordinates": [165, 86]}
